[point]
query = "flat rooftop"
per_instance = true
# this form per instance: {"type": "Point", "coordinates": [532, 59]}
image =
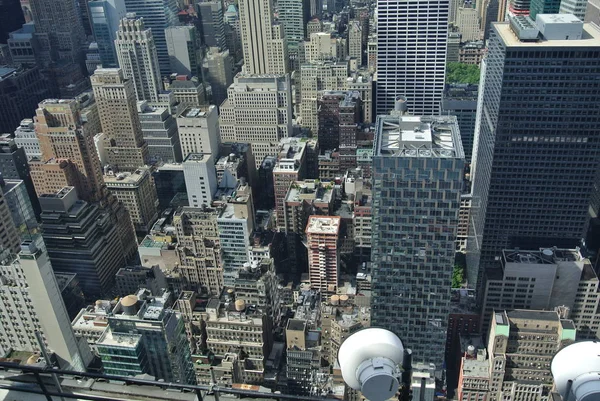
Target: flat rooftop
{"type": "Point", "coordinates": [197, 157]}
{"type": "Point", "coordinates": [476, 368]}
{"type": "Point", "coordinates": [590, 37]}
{"type": "Point", "coordinates": [323, 225]}
{"type": "Point", "coordinates": [115, 180]}
{"type": "Point", "coordinates": [418, 136]}
{"type": "Point", "coordinates": [309, 190]}
{"type": "Point", "coordinates": [123, 340]}
{"type": "Point", "coordinates": [533, 315]}
{"type": "Point", "coordinates": [195, 112]}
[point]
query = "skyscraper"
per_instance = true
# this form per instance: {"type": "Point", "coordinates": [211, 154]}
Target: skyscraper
{"type": "Point", "coordinates": [105, 16]}
{"type": "Point", "coordinates": [213, 25]}
{"type": "Point", "coordinates": [158, 15]}
{"type": "Point", "coordinates": [9, 237]}
{"type": "Point", "coordinates": [257, 110]}
{"type": "Point", "coordinates": [264, 47]}
{"type": "Point", "coordinates": [138, 57]}
{"type": "Point", "coordinates": [31, 301]}
{"type": "Point", "coordinates": [200, 178]}
{"type": "Point", "coordinates": [417, 168]}
{"type": "Point", "coordinates": [80, 238]}
{"type": "Point", "coordinates": [293, 15]}
{"type": "Point", "coordinates": [59, 29]}
{"type": "Point", "coordinates": [538, 129]}
{"type": "Point", "coordinates": [11, 18]}
{"type": "Point", "coordinates": [575, 7]}
{"type": "Point", "coordinates": [115, 97]}
{"type": "Point", "coordinates": [412, 38]}
{"type": "Point", "coordinates": [65, 130]}
{"type": "Point", "coordinates": [184, 50]}
{"type": "Point", "coordinates": [322, 234]}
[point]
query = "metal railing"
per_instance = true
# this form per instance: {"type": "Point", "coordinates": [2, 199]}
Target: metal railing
{"type": "Point", "coordinates": [48, 383]}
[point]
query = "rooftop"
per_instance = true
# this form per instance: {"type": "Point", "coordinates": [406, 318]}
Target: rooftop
{"type": "Point", "coordinates": [415, 136]}
{"type": "Point", "coordinates": [323, 225]}
{"type": "Point", "coordinates": [541, 256]}
{"type": "Point", "coordinates": [197, 157]}
{"type": "Point", "coordinates": [123, 340]}
{"type": "Point", "coordinates": [309, 190]}
{"type": "Point", "coordinates": [590, 37]}
{"type": "Point", "coordinates": [195, 112]}
{"type": "Point", "coordinates": [116, 180]}
{"type": "Point", "coordinates": [532, 315]}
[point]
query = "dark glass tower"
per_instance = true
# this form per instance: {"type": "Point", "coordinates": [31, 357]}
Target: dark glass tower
{"type": "Point", "coordinates": [418, 167]}
{"type": "Point", "coordinates": [11, 18]}
{"type": "Point", "coordinates": [538, 146]}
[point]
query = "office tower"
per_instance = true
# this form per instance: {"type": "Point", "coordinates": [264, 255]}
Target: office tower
{"type": "Point", "coordinates": [81, 238]}
{"type": "Point", "coordinates": [213, 24]}
{"type": "Point", "coordinates": [314, 79]}
{"type": "Point", "coordinates": [417, 166]}
{"type": "Point", "coordinates": [65, 130]}
{"type": "Point", "coordinates": [105, 17]}
{"type": "Point", "coordinates": [323, 46]}
{"type": "Point", "coordinates": [137, 192]}
{"type": "Point", "coordinates": [290, 167]}
{"type": "Point", "coordinates": [549, 205]}
{"type": "Point", "coordinates": [413, 66]}
{"type": "Point", "coordinates": [264, 44]}
{"type": "Point", "coordinates": [258, 110]}
{"type": "Point", "coordinates": [491, 11]}
{"type": "Point", "coordinates": [21, 89]}
{"type": "Point", "coordinates": [355, 45]}
{"type": "Point", "coordinates": [235, 224]}
{"type": "Point", "coordinates": [200, 179]}
{"type": "Point", "coordinates": [159, 329]}
{"type": "Point", "coordinates": [200, 260]}
{"type": "Point", "coordinates": [122, 354]}
{"type": "Point", "coordinates": [218, 72]}
{"type": "Point", "coordinates": [115, 97]}
{"type": "Point", "coordinates": [467, 22]}
{"type": "Point", "coordinates": [575, 7]}
{"type": "Point", "coordinates": [170, 184]}
{"type": "Point", "coordinates": [9, 236]}
{"type": "Point", "coordinates": [159, 130]}
{"type": "Point", "coordinates": [188, 93]}
{"type": "Point", "coordinates": [138, 58]}
{"type": "Point", "coordinates": [23, 46]}
{"type": "Point", "coordinates": [550, 7]}
{"type": "Point", "coordinates": [11, 18]}
{"type": "Point", "coordinates": [31, 302]}
{"type": "Point", "coordinates": [58, 28]}
{"type": "Point", "coordinates": [322, 235]}
{"type": "Point", "coordinates": [184, 50]}
{"type": "Point", "coordinates": [158, 15]}
{"type": "Point", "coordinates": [516, 367]}
{"type": "Point", "coordinates": [199, 131]}
{"type": "Point", "coordinates": [548, 279]}
{"type": "Point", "coordinates": [293, 15]}
{"type": "Point", "coordinates": [453, 50]}
{"type": "Point", "coordinates": [19, 207]}
{"type": "Point", "coordinates": [13, 166]}
{"type": "Point", "coordinates": [518, 8]}
{"type": "Point", "coordinates": [460, 100]}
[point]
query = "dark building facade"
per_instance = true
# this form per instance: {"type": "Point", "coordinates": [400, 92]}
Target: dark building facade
{"type": "Point", "coordinates": [21, 89]}
{"type": "Point", "coordinates": [82, 239]}
{"type": "Point", "coordinates": [212, 25]}
{"type": "Point", "coordinates": [460, 100]}
{"type": "Point", "coordinates": [11, 18]}
{"type": "Point", "coordinates": [14, 166]}
{"type": "Point", "coordinates": [538, 146]}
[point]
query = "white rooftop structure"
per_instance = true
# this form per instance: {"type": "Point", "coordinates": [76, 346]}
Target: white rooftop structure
{"type": "Point", "coordinates": [323, 225]}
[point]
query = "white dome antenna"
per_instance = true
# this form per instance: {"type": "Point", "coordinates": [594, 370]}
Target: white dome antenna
{"type": "Point", "coordinates": [369, 361]}
{"type": "Point", "coordinates": [576, 371]}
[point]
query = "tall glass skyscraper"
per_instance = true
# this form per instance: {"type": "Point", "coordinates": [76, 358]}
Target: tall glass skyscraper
{"type": "Point", "coordinates": [158, 15]}
{"type": "Point", "coordinates": [412, 37]}
{"type": "Point", "coordinates": [537, 144]}
{"type": "Point", "coordinates": [418, 167]}
{"type": "Point", "coordinates": [105, 16]}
